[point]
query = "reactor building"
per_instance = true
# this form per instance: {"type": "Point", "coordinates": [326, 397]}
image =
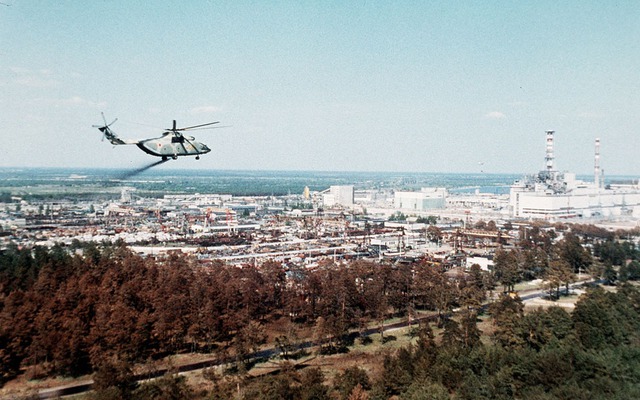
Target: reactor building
{"type": "Point", "coordinates": [552, 195]}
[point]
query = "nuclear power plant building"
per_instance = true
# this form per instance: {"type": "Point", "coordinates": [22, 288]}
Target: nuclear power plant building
{"type": "Point", "coordinates": [553, 195]}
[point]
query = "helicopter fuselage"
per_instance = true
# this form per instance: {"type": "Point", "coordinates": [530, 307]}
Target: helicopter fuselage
{"type": "Point", "coordinates": [173, 146]}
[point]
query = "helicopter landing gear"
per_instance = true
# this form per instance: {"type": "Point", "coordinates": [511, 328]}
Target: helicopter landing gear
{"type": "Point", "coordinates": [197, 157]}
{"type": "Point", "coordinates": [164, 158]}
{"type": "Point", "coordinates": [175, 157]}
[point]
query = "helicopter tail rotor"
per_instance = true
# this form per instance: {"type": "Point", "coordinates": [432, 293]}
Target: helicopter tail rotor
{"type": "Point", "coordinates": [107, 132]}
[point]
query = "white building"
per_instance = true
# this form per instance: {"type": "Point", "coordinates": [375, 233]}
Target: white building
{"type": "Point", "coordinates": [425, 199]}
{"type": "Point", "coordinates": [339, 195]}
{"type": "Point", "coordinates": [485, 263]}
{"type": "Point", "coordinates": [584, 202]}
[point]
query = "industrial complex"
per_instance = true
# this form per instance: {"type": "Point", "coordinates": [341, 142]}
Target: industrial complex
{"type": "Point", "coordinates": [342, 221]}
{"type": "Point", "coordinates": [551, 194]}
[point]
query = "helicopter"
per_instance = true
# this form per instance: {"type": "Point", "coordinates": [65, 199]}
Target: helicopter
{"type": "Point", "coordinates": [173, 143]}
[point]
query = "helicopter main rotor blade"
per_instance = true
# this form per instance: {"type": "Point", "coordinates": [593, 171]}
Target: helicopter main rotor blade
{"type": "Point", "coordinates": [211, 127]}
{"type": "Point", "coordinates": [188, 141]}
{"type": "Point", "coordinates": [195, 126]}
{"type": "Point", "coordinates": [183, 147]}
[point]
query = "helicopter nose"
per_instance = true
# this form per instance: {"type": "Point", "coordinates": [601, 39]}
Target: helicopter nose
{"type": "Point", "coordinates": [205, 148]}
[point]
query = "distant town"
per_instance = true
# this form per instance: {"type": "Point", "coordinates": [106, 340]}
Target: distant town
{"type": "Point", "coordinates": [456, 227]}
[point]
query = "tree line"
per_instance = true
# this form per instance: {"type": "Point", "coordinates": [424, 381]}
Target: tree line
{"type": "Point", "coordinates": [539, 255]}
{"type": "Point", "coordinates": [69, 313]}
{"type": "Point", "coordinates": [591, 353]}
{"type": "Point", "coordinates": [73, 311]}
{"type": "Point", "coordinates": [545, 354]}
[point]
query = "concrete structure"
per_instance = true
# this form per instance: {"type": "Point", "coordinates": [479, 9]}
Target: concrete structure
{"type": "Point", "coordinates": [552, 195]}
{"type": "Point", "coordinates": [339, 195]}
{"type": "Point", "coordinates": [425, 199]}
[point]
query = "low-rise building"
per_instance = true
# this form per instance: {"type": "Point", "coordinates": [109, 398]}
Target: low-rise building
{"type": "Point", "coordinates": [425, 199]}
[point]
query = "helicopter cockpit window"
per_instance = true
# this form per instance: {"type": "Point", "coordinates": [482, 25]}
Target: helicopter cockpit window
{"type": "Point", "coordinates": [177, 139]}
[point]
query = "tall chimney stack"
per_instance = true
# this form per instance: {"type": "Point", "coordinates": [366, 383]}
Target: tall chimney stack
{"type": "Point", "coordinates": [596, 168]}
{"type": "Point", "coordinates": [549, 156]}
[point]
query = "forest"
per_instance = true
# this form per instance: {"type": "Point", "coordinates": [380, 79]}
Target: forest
{"type": "Point", "coordinates": [101, 309]}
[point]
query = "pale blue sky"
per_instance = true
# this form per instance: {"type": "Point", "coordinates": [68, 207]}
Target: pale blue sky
{"type": "Point", "coordinates": [309, 85]}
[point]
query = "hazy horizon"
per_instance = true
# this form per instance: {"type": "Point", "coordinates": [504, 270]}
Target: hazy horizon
{"type": "Point", "coordinates": [169, 169]}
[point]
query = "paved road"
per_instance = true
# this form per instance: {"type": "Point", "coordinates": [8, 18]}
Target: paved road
{"type": "Point", "coordinates": [537, 293]}
{"type": "Point", "coordinates": [85, 386]}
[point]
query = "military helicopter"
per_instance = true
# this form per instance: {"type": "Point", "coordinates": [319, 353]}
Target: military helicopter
{"type": "Point", "coordinates": [173, 143]}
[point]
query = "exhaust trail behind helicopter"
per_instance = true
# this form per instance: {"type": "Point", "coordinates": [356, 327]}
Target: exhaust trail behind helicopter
{"type": "Point", "coordinates": [130, 174]}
